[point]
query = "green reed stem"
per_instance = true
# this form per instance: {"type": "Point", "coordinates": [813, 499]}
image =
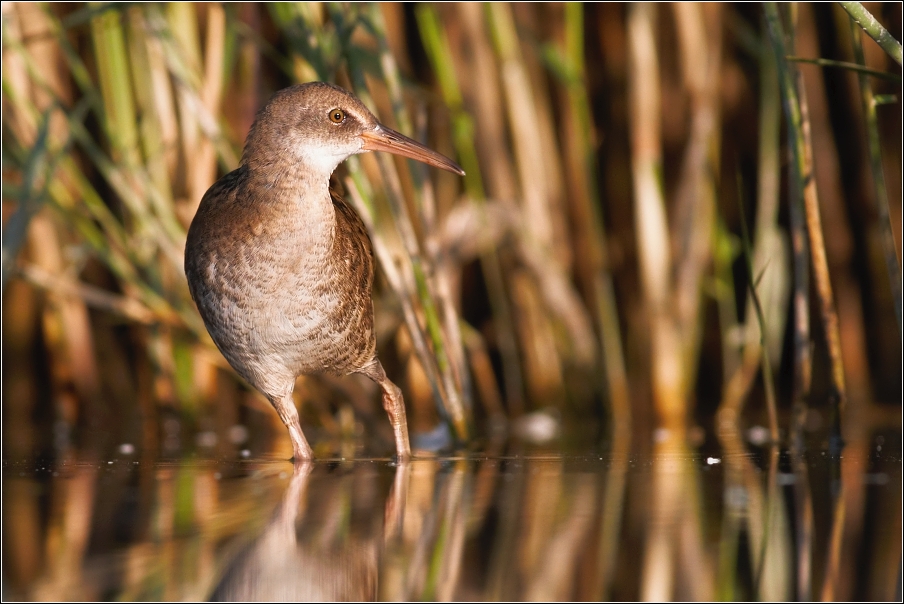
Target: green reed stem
{"type": "Point", "coordinates": [36, 163]}
{"type": "Point", "coordinates": [451, 399]}
{"type": "Point", "coordinates": [861, 69]}
{"type": "Point", "coordinates": [440, 54]}
{"type": "Point", "coordinates": [115, 86]}
{"type": "Point", "coordinates": [606, 309]}
{"type": "Point", "coordinates": [72, 193]}
{"type": "Point", "coordinates": [794, 102]}
{"type": "Point", "coordinates": [874, 30]}
{"type": "Point", "coordinates": [768, 379]}
{"type": "Point", "coordinates": [881, 191]}
{"type": "Point", "coordinates": [446, 336]}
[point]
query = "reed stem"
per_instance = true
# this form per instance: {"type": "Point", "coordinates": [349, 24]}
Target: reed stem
{"type": "Point", "coordinates": [880, 190]}
{"type": "Point", "coordinates": [794, 100]}
{"type": "Point", "coordinates": [874, 30]}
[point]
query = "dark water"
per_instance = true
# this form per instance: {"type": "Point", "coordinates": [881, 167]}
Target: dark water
{"type": "Point", "coordinates": [675, 523]}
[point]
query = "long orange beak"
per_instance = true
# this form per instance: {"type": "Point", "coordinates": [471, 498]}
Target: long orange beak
{"type": "Point", "coordinates": [386, 139]}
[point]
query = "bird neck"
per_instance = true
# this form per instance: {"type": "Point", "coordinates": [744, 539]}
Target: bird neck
{"type": "Point", "coordinates": [301, 202]}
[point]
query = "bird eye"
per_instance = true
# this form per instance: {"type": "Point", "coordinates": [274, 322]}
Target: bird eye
{"type": "Point", "coordinates": [337, 116]}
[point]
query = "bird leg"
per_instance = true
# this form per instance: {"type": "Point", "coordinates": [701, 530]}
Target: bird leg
{"type": "Point", "coordinates": [394, 405]}
{"type": "Point", "coordinates": [285, 407]}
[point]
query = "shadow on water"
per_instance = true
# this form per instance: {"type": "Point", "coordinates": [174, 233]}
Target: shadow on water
{"type": "Point", "coordinates": [675, 523]}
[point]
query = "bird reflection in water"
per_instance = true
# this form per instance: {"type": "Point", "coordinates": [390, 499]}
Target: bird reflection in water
{"type": "Point", "coordinates": [307, 554]}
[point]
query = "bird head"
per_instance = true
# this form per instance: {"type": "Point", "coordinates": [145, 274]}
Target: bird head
{"type": "Point", "coordinates": [320, 125]}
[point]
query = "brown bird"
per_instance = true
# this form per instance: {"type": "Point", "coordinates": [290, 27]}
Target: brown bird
{"type": "Point", "coordinates": [280, 267]}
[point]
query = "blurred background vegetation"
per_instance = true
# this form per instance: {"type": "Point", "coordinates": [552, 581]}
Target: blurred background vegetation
{"type": "Point", "coordinates": [632, 178]}
{"type": "Point", "coordinates": [634, 174]}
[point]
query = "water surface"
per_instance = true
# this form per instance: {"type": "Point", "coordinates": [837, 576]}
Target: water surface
{"type": "Point", "coordinates": [675, 523]}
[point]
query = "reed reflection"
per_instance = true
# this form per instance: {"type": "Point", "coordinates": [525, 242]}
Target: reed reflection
{"type": "Point", "coordinates": [444, 530]}
{"type": "Point", "coordinates": [674, 524]}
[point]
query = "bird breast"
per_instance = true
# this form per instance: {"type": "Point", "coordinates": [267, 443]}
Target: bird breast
{"type": "Point", "coordinates": [283, 291]}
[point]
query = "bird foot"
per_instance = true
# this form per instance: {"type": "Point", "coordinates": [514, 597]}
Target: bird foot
{"type": "Point", "coordinates": [394, 405]}
{"type": "Point", "coordinates": [402, 458]}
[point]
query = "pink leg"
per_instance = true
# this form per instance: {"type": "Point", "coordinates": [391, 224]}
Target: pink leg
{"type": "Point", "coordinates": [395, 407]}
{"type": "Point", "coordinates": [285, 407]}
